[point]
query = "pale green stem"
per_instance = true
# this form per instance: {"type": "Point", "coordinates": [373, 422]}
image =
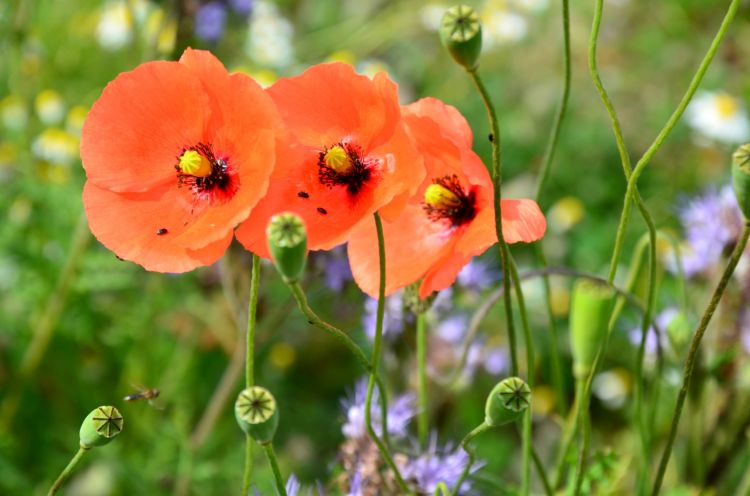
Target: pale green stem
{"type": "Point", "coordinates": [497, 182]}
{"type": "Point", "coordinates": [273, 462]}
{"type": "Point", "coordinates": [376, 351]}
{"type": "Point", "coordinates": [693, 352]}
{"type": "Point", "coordinates": [45, 327]}
{"type": "Point", "coordinates": [470, 451]}
{"type": "Point", "coordinates": [252, 309]}
{"type": "Point", "coordinates": [422, 407]}
{"type": "Point", "coordinates": [65, 474]}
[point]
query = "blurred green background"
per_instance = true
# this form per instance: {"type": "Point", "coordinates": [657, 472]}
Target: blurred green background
{"type": "Point", "coordinates": [113, 327]}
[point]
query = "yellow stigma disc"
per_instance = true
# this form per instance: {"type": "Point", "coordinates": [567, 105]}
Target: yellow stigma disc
{"type": "Point", "coordinates": [195, 164]}
{"type": "Point", "coordinates": [726, 105]}
{"type": "Point", "coordinates": [337, 159]}
{"type": "Point", "coordinates": [438, 196]}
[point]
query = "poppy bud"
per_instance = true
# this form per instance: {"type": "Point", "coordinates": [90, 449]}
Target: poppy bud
{"type": "Point", "coordinates": [257, 414]}
{"type": "Point", "coordinates": [590, 311]}
{"type": "Point", "coordinates": [287, 242]}
{"type": "Point", "coordinates": [741, 178]}
{"type": "Point", "coordinates": [100, 427]}
{"type": "Point", "coordinates": [461, 34]}
{"type": "Point", "coordinates": [507, 401]}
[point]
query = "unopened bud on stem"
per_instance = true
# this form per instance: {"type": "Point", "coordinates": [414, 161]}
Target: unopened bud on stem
{"type": "Point", "coordinates": [590, 311]}
{"type": "Point", "coordinates": [741, 178]}
{"type": "Point", "coordinates": [507, 401]}
{"type": "Point", "coordinates": [287, 242]}
{"type": "Point", "coordinates": [100, 427]}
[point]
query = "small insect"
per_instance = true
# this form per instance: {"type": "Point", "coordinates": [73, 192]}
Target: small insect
{"type": "Point", "coordinates": [491, 137]}
{"type": "Point", "coordinates": [143, 394]}
{"type": "Point", "coordinates": [162, 231]}
{"type": "Point", "coordinates": [303, 194]}
{"type": "Point", "coordinates": [322, 210]}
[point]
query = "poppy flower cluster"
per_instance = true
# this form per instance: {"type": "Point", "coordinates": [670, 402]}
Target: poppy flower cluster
{"type": "Point", "coordinates": [181, 157]}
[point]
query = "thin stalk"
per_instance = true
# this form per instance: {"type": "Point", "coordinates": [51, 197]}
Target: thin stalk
{"type": "Point", "coordinates": [497, 197]}
{"type": "Point", "coordinates": [529, 345]}
{"type": "Point", "coordinates": [315, 320]}
{"type": "Point", "coordinates": [65, 474]}
{"type": "Point", "coordinates": [422, 411]}
{"type": "Point", "coordinates": [252, 309]}
{"type": "Point", "coordinates": [693, 352]}
{"type": "Point", "coordinates": [584, 425]}
{"type": "Point", "coordinates": [273, 462]}
{"type": "Point", "coordinates": [45, 327]}
{"type": "Point", "coordinates": [541, 473]}
{"type": "Point", "coordinates": [376, 351]}
{"type": "Point", "coordinates": [470, 451]}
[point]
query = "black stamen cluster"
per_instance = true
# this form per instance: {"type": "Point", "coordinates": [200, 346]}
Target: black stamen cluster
{"type": "Point", "coordinates": [220, 178]}
{"type": "Point", "coordinates": [360, 173]}
{"type": "Point", "coordinates": [464, 212]}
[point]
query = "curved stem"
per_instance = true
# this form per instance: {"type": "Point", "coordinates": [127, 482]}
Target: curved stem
{"type": "Point", "coordinates": [376, 351]}
{"type": "Point", "coordinates": [470, 451]}
{"type": "Point", "coordinates": [585, 427]}
{"type": "Point", "coordinates": [65, 474]}
{"type": "Point", "coordinates": [252, 309]}
{"type": "Point", "coordinates": [540, 471]}
{"type": "Point", "coordinates": [422, 411]}
{"type": "Point", "coordinates": [693, 352]}
{"type": "Point", "coordinates": [497, 182]}
{"type": "Point", "coordinates": [271, 456]}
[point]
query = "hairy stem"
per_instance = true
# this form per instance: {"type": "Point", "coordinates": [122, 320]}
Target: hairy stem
{"type": "Point", "coordinates": [274, 463]}
{"type": "Point", "coordinates": [252, 309]}
{"type": "Point", "coordinates": [422, 411]}
{"type": "Point", "coordinates": [65, 474]}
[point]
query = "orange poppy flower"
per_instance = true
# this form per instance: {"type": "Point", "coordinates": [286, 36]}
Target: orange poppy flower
{"type": "Point", "coordinates": [351, 156]}
{"type": "Point", "coordinates": [451, 218]}
{"type": "Point", "coordinates": [176, 155]}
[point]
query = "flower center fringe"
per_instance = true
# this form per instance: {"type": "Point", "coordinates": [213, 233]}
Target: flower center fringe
{"type": "Point", "coordinates": [344, 164]}
{"type": "Point", "coordinates": [445, 199]}
{"type": "Point", "coordinates": [210, 178]}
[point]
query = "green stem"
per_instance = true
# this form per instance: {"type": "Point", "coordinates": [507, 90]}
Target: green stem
{"type": "Point", "coordinates": [549, 153]}
{"type": "Point", "coordinates": [273, 462]}
{"type": "Point", "coordinates": [693, 352]}
{"type": "Point", "coordinates": [470, 451]}
{"type": "Point", "coordinates": [422, 411]}
{"type": "Point", "coordinates": [497, 184]}
{"type": "Point", "coordinates": [441, 490]}
{"type": "Point", "coordinates": [540, 471]}
{"type": "Point", "coordinates": [376, 351]}
{"type": "Point", "coordinates": [65, 474]}
{"type": "Point", "coordinates": [584, 425]}
{"type": "Point", "coordinates": [315, 320]}
{"type": "Point", "coordinates": [252, 309]}
{"type": "Point", "coordinates": [46, 325]}
{"type": "Point", "coordinates": [529, 345]}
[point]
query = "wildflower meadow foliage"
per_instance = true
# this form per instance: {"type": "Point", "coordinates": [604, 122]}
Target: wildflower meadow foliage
{"type": "Point", "coordinates": [374, 248]}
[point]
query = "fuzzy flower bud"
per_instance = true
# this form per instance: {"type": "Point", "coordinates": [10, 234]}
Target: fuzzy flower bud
{"type": "Point", "coordinates": [287, 242]}
{"type": "Point", "coordinates": [257, 413]}
{"type": "Point", "coordinates": [507, 401]}
{"type": "Point", "coordinates": [590, 310]}
{"type": "Point", "coordinates": [461, 34]}
{"type": "Point", "coordinates": [100, 427]}
{"type": "Point", "coordinates": [741, 178]}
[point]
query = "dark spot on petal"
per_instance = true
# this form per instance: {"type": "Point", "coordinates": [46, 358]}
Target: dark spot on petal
{"type": "Point", "coordinates": [322, 210]}
{"type": "Point", "coordinates": [162, 231]}
{"type": "Point", "coordinates": [303, 194]}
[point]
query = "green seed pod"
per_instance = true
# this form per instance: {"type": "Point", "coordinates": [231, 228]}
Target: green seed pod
{"type": "Point", "coordinates": [100, 427]}
{"type": "Point", "coordinates": [741, 178]}
{"type": "Point", "coordinates": [287, 241]}
{"type": "Point", "coordinates": [590, 310]}
{"type": "Point", "coordinates": [461, 34]}
{"type": "Point", "coordinates": [507, 401]}
{"type": "Point", "coordinates": [257, 413]}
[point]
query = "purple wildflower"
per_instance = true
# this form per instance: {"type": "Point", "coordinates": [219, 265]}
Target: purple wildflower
{"type": "Point", "coordinates": [400, 412]}
{"type": "Point", "coordinates": [453, 328]}
{"type": "Point", "coordinates": [477, 275]}
{"type": "Point", "coordinates": [437, 465]}
{"type": "Point", "coordinates": [292, 486]}
{"type": "Point", "coordinates": [654, 340]}
{"type": "Point", "coordinates": [393, 321]}
{"type": "Point", "coordinates": [241, 7]}
{"type": "Point", "coordinates": [496, 360]}
{"type": "Point", "coordinates": [210, 21]}
{"type": "Point", "coordinates": [711, 222]}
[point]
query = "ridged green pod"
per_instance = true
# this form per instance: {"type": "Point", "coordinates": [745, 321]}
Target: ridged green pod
{"type": "Point", "coordinates": [287, 242]}
{"type": "Point", "coordinates": [507, 401]}
{"type": "Point", "coordinates": [590, 310]}
{"type": "Point", "coordinates": [257, 413]}
{"type": "Point", "coordinates": [461, 34]}
{"type": "Point", "coordinates": [741, 178]}
{"type": "Point", "coordinates": [100, 427]}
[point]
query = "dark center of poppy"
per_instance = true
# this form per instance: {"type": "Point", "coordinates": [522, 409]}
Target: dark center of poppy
{"type": "Point", "coordinates": [210, 177]}
{"type": "Point", "coordinates": [344, 164]}
{"type": "Point", "coordinates": [445, 199]}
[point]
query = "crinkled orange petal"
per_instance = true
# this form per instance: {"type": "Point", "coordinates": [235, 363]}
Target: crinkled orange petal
{"type": "Point", "coordinates": [329, 102]}
{"type": "Point", "coordinates": [135, 132]}
{"type": "Point", "coordinates": [443, 273]}
{"type": "Point", "coordinates": [413, 244]}
{"type": "Point", "coordinates": [452, 124]}
{"type": "Point", "coordinates": [141, 227]}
